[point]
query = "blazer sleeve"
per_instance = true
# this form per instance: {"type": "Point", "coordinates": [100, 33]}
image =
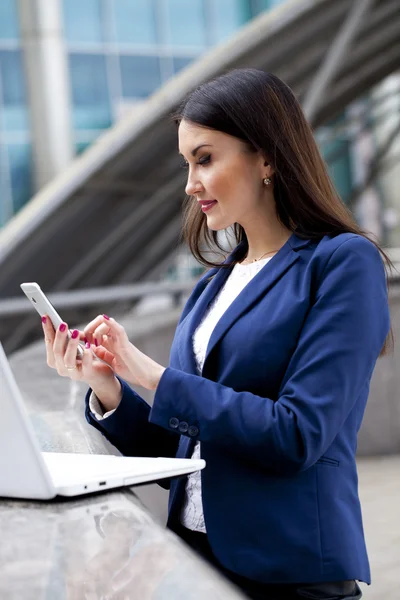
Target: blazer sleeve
{"type": "Point", "coordinates": [331, 366]}
{"type": "Point", "coordinates": [129, 430]}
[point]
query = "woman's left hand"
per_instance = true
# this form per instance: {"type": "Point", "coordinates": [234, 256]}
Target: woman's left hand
{"type": "Point", "coordinates": [111, 344]}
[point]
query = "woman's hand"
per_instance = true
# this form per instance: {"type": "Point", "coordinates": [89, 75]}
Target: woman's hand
{"type": "Point", "coordinates": [112, 345]}
{"type": "Point", "coordinates": [62, 356]}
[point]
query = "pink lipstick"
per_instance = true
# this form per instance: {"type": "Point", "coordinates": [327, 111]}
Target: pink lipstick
{"type": "Point", "coordinates": [207, 205]}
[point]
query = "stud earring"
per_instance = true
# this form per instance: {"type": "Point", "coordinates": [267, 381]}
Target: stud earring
{"type": "Point", "coordinates": [267, 181]}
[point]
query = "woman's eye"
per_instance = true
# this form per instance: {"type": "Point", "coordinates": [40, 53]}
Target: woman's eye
{"type": "Point", "coordinates": [204, 160]}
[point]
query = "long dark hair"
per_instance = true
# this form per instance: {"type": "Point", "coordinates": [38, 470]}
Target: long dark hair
{"type": "Point", "coordinates": [262, 111]}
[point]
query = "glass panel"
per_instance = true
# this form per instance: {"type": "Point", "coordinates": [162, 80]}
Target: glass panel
{"type": "Point", "coordinates": [13, 113]}
{"type": "Point", "coordinates": [81, 147]}
{"type": "Point", "coordinates": [90, 97]}
{"type": "Point", "coordinates": [230, 15]}
{"type": "Point", "coordinates": [82, 21]}
{"type": "Point", "coordinates": [8, 20]}
{"type": "Point", "coordinates": [140, 75]}
{"type": "Point", "coordinates": [273, 3]}
{"type": "Point", "coordinates": [262, 5]}
{"type": "Point", "coordinates": [5, 202]}
{"type": "Point", "coordinates": [84, 139]}
{"type": "Point", "coordinates": [20, 174]}
{"type": "Point", "coordinates": [180, 62]}
{"type": "Point", "coordinates": [337, 155]}
{"type": "Point", "coordinates": [134, 22]}
{"type": "Point", "coordinates": [186, 22]}
{"type": "Point", "coordinates": [340, 168]}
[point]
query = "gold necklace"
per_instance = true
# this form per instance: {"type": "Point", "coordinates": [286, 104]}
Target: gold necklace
{"type": "Point", "coordinates": [256, 259]}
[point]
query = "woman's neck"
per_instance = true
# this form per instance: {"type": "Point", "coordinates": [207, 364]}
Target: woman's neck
{"type": "Point", "coordinates": [266, 247]}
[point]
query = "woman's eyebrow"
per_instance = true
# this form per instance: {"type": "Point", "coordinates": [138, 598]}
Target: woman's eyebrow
{"type": "Point", "coordinates": [194, 151]}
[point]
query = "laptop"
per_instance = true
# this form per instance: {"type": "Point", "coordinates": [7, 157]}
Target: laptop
{"type": "Point", "coordinates": [26, 472]}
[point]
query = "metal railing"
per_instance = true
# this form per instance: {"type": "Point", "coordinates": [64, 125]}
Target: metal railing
{"type": "Point", "coordinates": [99, 296]}
{"type": "Point", "coordinates": [122, 293]}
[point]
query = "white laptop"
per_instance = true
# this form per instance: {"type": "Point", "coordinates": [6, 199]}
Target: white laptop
{"type": "Point", "coordinates": [26, 472]}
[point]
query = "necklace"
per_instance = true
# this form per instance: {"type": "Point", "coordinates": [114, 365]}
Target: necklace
{"type": "Point", "coordinates": [259, 258]}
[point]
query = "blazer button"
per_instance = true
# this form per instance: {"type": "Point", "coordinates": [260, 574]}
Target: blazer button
{"type": "Point", "coordinates": [173, 422]}
{"type": "Point", "coordinates": [183, 427]}
{"type": "Point", "coordinates": [193, 431]}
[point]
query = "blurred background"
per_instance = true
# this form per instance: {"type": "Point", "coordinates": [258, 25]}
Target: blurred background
{"type": "Point", "coordinates": [91, 188]}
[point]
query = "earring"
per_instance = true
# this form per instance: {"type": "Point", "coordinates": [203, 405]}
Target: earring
{"type": "Point", "coordinates": [267, 181]}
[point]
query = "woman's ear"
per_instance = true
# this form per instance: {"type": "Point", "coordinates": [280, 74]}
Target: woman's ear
{"type": "Point", "coordinates": [268, 170]}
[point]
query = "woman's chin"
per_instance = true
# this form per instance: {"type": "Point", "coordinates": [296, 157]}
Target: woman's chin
{"type": "Point", "coordinates": [217, 224]}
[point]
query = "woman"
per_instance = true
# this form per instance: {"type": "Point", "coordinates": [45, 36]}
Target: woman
{"type": "Point", "coordinates": [272, 357]}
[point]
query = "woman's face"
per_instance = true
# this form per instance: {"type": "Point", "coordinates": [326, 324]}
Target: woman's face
{"type": "Point", "coordinates": [225, 171]}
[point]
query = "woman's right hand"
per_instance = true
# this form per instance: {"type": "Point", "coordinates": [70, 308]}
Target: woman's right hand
{"type": "Point", "coordinates": [62, 356]}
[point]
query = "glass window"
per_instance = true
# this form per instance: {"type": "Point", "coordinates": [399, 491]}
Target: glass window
{"type": "Point", "coordinates": [82, 21]}
{"type": "Point", "coordinates": [340, 170]}
{"type": "Point", "coordinates": [135, 22]}
{"type": "Point", "coordinates": [13, 112]}
{"type": "Point", "coordinates": [90, 97]}
{"type": "Point", "coordinates": [180, 62]}
{"type": "Point", "coordinates": [230, 15]}
{"type": "Point", "coordinates": [262, 5]}
{"type": "Point", "coordinates": [140, 75]}
{"type": "Point", "coordinates": [186, 22]}
{"type": "Point", "coordinates": [8, 20]}
{"type": "Point", "coordinates": [81, 146]}
{"type": "Point", "coordinates": [6, 209]}
{"type": "Point", "coordinates": [337, 155]}
{"type": "Point", "coordinates": [273, 3]}
{"type": "Point", "coordinates": [19, 156]}
{"type": "Point", "coordinates": [84, 139]}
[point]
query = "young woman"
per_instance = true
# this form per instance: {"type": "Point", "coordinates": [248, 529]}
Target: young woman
{"type": "Point", "coordinates": [272, 358]}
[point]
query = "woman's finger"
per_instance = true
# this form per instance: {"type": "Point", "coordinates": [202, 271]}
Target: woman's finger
{"type": "Point", "coordinates": [104, 354]}
{"type": "Point", "coordinates": [87, 362]}
{"type": "Point", "coordinates": [111, 329]}
{"type": "Point", "coordinates": [90, 328]}
{"type": "Point", "coordinates": [49, 334]}
{"type": "Point", "coordinates": [70, 355]}
{"type": "Point", "coordinates": [59, 347]}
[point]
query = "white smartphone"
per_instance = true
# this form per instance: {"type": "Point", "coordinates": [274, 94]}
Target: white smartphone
{"type": "Point", "coordinates": [44, 307]}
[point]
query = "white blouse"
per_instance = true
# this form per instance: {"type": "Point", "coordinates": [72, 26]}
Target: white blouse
{"type": "Point", "coordinates": [192, 512]}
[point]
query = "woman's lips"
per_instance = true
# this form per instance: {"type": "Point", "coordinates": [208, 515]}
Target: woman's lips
{"type": "Point", "coordinates": [207, 205]}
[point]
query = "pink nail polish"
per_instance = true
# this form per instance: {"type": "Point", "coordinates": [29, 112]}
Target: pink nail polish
{"type": "Point", "coordinates": [75, 334]}
{"type": "Point", "coordinates": [85, 340]}
{"type": "Point", "coordinates": [44, 320]}
{"type": "Point", "coordinates": [63, 327]}
{"type": "Point", "coordinates": [87, 345]}
{"type": "Point", "coordinates": [106, 317]}
{"type": "Point", "coordinates": [95, 342]}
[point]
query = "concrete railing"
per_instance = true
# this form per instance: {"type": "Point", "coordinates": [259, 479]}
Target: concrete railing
{"type": "Point", "coordinates": [152, 330]}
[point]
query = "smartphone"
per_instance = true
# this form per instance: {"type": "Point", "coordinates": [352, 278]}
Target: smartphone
{"type": "Point", "coordinates": [44, 307]}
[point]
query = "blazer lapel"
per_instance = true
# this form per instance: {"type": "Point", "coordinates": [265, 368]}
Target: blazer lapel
{"type": "Point", "coordinates": [257, 287]}
{"type": "Point", "coordinates": [188, 325]}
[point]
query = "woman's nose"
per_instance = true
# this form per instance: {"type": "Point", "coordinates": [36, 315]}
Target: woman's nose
{"type": "Point", "coordinates": [193, 185]}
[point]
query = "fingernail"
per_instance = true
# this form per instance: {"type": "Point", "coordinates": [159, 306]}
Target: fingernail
{"type": "Point", "coordinates": [86, 340]}
{"type": "Point", "coordinates": [44, 320]}
{"type": "Point", "coordinates": [87, 345]}
{"type": "Point", "coordinates": [63, 327]}
{"type": "Point", "coordinates": [95, 342]}
{"type": "Point", "coordinates": [106, 317]}
{"type": "Point", "coordinates": [75, 334]}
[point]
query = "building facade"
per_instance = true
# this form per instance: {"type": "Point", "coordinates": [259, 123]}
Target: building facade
{"type": "Point", "coordinates": [115, 53]}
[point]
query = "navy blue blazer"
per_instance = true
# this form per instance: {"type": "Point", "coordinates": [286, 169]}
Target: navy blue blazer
{"type": "Point", "coordinates": [277, 409]}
